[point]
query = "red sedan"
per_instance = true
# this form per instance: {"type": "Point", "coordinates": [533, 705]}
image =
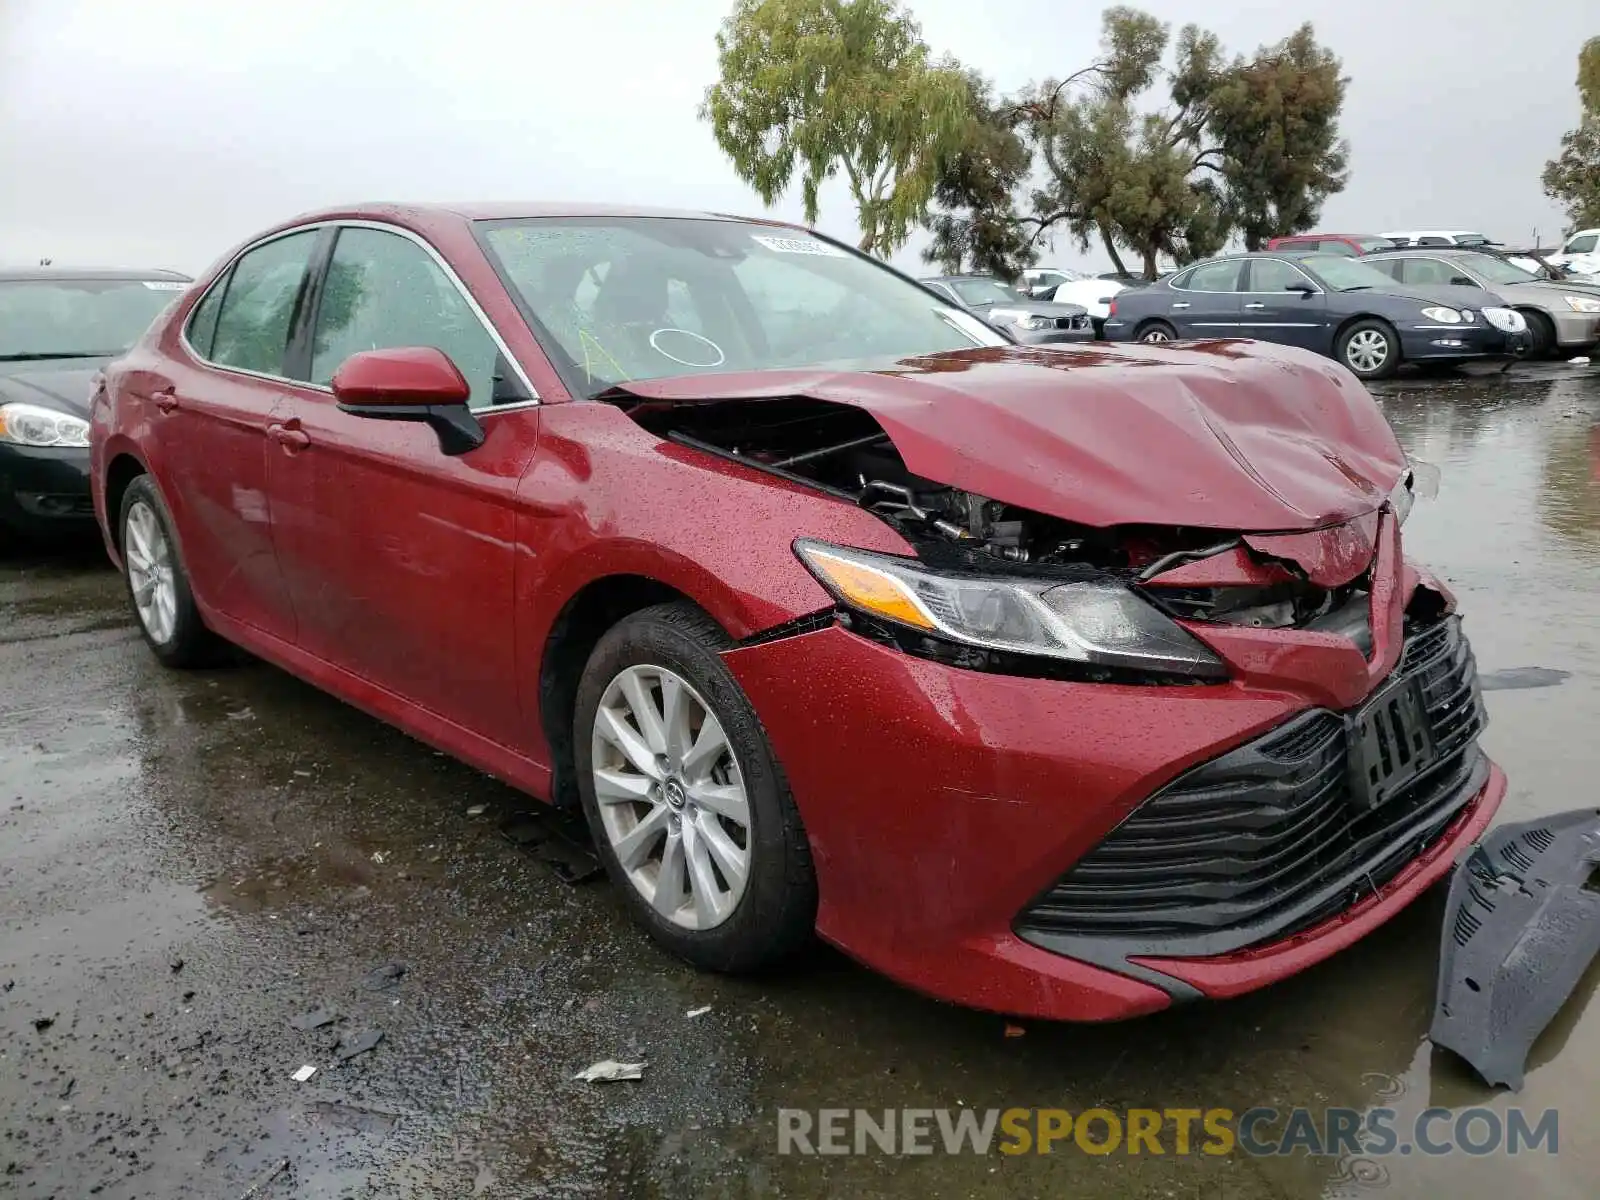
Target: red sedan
{"type": "Point", "coordinates": [1066, 682]}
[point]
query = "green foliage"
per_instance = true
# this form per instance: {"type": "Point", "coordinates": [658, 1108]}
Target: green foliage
{"type": "Point", "coordinates": [836, 86]}
{"type": "Point", "coordinates": [1272, 124]}
{"type": "Point", "coordinates": [1250, 145]}
{"type": "Point", "coordinates": [1572, 178]}
{"type": "Point", "coordinates": [975, 226]}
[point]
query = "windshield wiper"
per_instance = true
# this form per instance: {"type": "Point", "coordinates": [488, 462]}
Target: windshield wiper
{"type": "Point", "coordinates": [48, 355]}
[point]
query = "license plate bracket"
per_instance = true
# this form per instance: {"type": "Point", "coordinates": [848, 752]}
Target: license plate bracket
{"type": "Point", "coordinates": [1391, 742]}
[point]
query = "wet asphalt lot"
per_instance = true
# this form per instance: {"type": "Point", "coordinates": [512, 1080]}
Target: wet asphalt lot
{"type": "Point", "coordinates": [188, 862]}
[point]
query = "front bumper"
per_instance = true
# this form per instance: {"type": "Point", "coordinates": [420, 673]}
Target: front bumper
{"type": "Point", "coordinates": [1576, 330]}
{"type": "Point", "coordinates": [942, 804]}
{"type": "Point", "coordinates": [44, 490]}
{"type": "Point", "coordinates": [1479, 340]}
{"type": "Point", "coordinates": [1054, 337]}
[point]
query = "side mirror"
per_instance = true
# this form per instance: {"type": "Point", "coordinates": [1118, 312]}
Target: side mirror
{"type": "Point", "coordinates": [410, 383]}
{"type": "Point", "coordinates": [1301, 286]}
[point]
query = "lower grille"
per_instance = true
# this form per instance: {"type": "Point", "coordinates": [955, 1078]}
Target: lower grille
{"type": "Point", "coordinates": [1265, 840]}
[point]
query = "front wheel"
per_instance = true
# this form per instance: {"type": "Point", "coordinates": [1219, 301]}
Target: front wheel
{"type": "Point", "coordinates": [689, 809]}
{"type": "Point", "coordinates": [1541, 334]}
{"type": "Point", "coordinates": [158, 585]}
{"type": "Point", "coordinates": [1370, 348]}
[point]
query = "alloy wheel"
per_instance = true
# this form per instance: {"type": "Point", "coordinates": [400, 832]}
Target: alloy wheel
{"type": "Point", "coordinates": [1367, 350]}
{"type": "Point", "coordinates": [671, 796]}
{"type": "Point", "coordinates": [1156, 335]}
{"type": "Point", "coordinates": [151, 572]}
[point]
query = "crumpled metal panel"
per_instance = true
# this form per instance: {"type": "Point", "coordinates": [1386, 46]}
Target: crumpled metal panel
{"type": "Point", "coordinates": [1522, 926]}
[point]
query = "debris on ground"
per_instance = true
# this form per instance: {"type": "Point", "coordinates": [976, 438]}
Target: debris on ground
{"type": "Point", "coordinates": [304, 1073]}
{"type": "Point", "coordinates": [316, 1019]}
{"type": "Point", "coordinates": [558, 838]}
{"type": "Point", "coordinates": [697, 1012]}
{"type": "Point", "coordinates": [1522, 677]}
{"type": "Point", "coordinates": [477, 810]}
{"type": "Point", "coordinates": [381, 979]}
{"type": "Point", "coordinates": [271, 1173]}
{"type": "Point", "coordinates": [1015, 1031]}
{"type": "Point", "coordinates": [175, 963]}
{"type": "Point", "coordinates": [377, 857]}
{"type": "Point", "coordinates": [359, 1043]}
{"type": "Point", "coordinates": [1522, 927]}
{"type": "Point", "coordinates": [610, 1071]}
{"type": "Point", "coordinates": [43, 1023]}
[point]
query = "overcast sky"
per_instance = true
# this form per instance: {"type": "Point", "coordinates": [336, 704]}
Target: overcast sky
{"type": "Point", "coordinates": [160, 132]}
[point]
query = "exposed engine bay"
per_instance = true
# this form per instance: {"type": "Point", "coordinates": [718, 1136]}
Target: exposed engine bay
{"type": "Point", "coordinates": [843, 451]}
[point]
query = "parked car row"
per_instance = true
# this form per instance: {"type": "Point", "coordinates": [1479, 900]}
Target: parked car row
{"type": "Point", "coordinates": [835, 610]}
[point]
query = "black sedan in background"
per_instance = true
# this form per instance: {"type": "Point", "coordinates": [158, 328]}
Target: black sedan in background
{"type": "Point", "coordinates": [1034, 322]}
{"type": "Point", "coordinates": [57, 329]}
{"type": "Point", "coordinates": [1337, 306]}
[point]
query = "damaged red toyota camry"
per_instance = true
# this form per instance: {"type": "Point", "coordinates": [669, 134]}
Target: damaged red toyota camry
{"type": "Point", "coordinates": [1066, 682]}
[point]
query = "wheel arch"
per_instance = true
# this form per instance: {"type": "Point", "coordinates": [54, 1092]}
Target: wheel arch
{"type": "Point", "coordinates": [123, 468]}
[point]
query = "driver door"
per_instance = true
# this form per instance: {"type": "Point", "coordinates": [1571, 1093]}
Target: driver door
{"type": "Point", "coordinates": [401, 555]}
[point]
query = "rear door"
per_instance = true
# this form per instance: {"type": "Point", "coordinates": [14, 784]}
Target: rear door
{"type": "Point", "coordinates": [1273, 313]}
{"type": "Point", "coordinates": [209, 420]}
{"type": "Point", "coordinates": [1206, 302]}
{"type": "Point", "coordinates": [399, 558]}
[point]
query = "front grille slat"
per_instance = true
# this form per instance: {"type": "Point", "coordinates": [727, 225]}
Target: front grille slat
{"type": "Point", "coordinates": [1255, 837]}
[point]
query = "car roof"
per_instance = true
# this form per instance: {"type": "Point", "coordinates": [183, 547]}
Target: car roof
{"type": "Point", "coordinates": [502, 210]}
{"type": "Point", "coordinates": [1432, 233]}
{"type": "Point", "coordinates": [23, 274]}
{"type": "Point", "coordinates": [955, 278]}
{"type": "Point", "coordinates": [1292, 237]}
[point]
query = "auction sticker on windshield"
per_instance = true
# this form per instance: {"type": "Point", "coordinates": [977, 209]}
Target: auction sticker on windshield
{"type": "Point", "coordinates": [797, 245]}
{"type": "Point", "coordinates": [164, 285]}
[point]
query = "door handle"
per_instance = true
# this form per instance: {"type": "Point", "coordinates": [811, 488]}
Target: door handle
{"type": "Point", "coordinates": [1181, 304]}
{"type": "Point", "coordinates": [290, 436]}
{"type": "Point", "coordinates": [166, 399]}
{"type": "Point", "coordinates": [1254, 305]}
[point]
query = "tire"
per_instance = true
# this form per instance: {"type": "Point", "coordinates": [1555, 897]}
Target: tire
{"type": "Point", "coordinates": [774, 912]}
{"type": "Point", "coordinates": [153, 565]}
{"type": "Point", "coordinates": [1359, 343]}
{"type": "Point", "coordinates": [1155, 332]}
{"type": "Point", "coordinates": [1541, 333]}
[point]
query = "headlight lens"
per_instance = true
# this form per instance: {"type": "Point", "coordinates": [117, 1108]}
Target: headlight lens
{"type": "Point", "coordinates": [1507, 320]}
{"type": "Point", "coordinates": [1402, 497]}
{"type": "Point", "coordinates": [31, 425]}
{"type": "Point", "coordinates": [1445, 316]}
{"type": "Point", "coordinates": [1100, 623]}
{"type": "Point", "coordinates": [1583, 304]}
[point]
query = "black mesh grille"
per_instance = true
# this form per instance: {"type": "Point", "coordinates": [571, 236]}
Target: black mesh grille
{"type": "Point", "coordinates": [1265, 836]}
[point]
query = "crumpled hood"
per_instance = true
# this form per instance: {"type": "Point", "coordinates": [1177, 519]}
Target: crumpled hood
{"type": "Point", "coordinates": [1225, 435]}
{"type": "Point", "coordinates": [65, 390]}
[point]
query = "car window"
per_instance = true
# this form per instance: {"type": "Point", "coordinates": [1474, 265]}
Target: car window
{"type": "Point", "coordinates": [384, 291]}
{"type": "Point", "coordinates": [1392, 267]}
{"type": "Point", "coordinates": [202, 328]}
{"type": "Point", "coordinates": [1273, 275]}
{"type": "Point", "coordinates": [1214, 277]}
{"type": "Point", "coordinates": [258, 306]}
{"type": "Point", "coordinates": [1584, 244]}
{"type": "Point", "coordinates": [1432, 272]}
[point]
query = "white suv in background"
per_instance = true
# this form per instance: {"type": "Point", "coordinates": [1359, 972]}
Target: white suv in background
{"type": "Point", "coordinates": [1580, 252]}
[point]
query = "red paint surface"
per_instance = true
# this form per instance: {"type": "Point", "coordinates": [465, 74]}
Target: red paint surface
{"type": "Point", "coordinates": [426, 589]}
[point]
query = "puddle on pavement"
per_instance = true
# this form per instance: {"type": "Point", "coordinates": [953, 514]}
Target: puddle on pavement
{"type": "Point", "coordinates": [282, 845]}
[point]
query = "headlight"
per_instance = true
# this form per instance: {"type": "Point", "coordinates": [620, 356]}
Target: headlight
{"type": "Point", "coordinates": [1445, 316]}
{"type": "Point", "coordinates": [1583, 304]}
{"type": "Point", "coordinates": [1022, 320]}
{"type": "Point", "coordinates": [1401, 496]}
{"type": "Point", "coordinates": [31, 425]}
{"type": "Point", "coordinates": [1507, 320]}
{"type": "Point", "coordinates": [1098, 623]}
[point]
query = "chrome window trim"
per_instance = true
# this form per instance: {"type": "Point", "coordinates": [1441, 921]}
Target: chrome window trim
{"type": "Point", "coordinates": [382, 227]}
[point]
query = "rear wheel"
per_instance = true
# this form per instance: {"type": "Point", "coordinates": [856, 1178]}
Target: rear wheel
{"type": "Point", "coordinates": [1541, 333]}
{"type": "Point", "coordinates": [158, 585]}
{"type": "Point", "coordinates": [689, 809]}
{"type": "Point", "coordinates": [1156, 332]}
{"type": "Point", "coordinates": [1370, 348]}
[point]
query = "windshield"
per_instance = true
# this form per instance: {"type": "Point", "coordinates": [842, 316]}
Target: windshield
{"type": "Point", "coordinates": [984, 291]}
{"type": "Point", "coordinates": [1498, 270]}
{"type": "Point", "coordinates": [1346, 274]}
{"type": "Point", "coordinates": [78, 318]}
{"type": "Point", "coordinates": [655, 297]}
